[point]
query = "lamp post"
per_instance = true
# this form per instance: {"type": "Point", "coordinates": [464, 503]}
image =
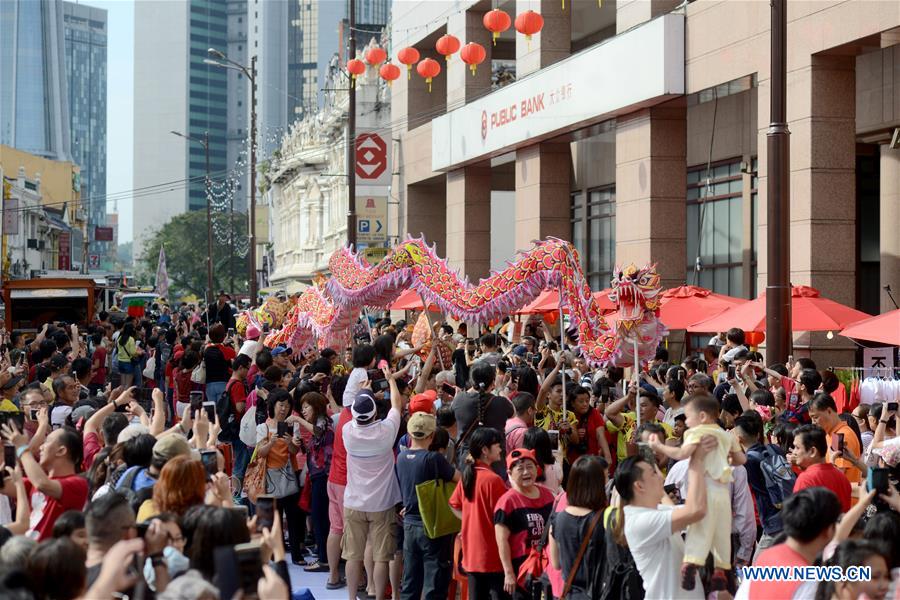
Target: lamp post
{"type": "Point", "coordinates": [209, 266]}
{"type": "Point", "coordinates": [351, 133]}
{"type": "Point", "coordinates": [250, 73]}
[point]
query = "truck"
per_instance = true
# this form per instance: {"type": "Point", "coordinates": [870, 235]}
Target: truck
{"type": "Point", "coordinates": [29, 303]}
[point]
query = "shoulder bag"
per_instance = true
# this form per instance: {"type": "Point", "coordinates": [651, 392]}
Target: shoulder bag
{"type": "Point", "coordinates": [434, 507]}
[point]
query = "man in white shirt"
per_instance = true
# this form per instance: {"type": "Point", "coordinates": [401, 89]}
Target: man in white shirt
{"type": "Point", "coordinates": [653, 524]}
{"type": "Point", "coordinates": [372, 491]}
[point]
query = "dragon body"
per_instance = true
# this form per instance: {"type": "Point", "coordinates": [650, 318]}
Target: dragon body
{"type": "Point", "coordinates": [324, 314]}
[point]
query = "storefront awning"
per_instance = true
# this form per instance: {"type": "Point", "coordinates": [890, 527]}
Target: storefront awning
{"type": "Point", "coordinates": [48, 293]}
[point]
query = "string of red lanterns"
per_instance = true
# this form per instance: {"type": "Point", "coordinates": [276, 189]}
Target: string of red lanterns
{"type": "Point", "coordinates": [429, 69]}
{"type": "Point", "coordinates": [447, 45]}
{"type": "Point", "coordinates": [356, 68]}
{"type": "Point", "coordinates": [473, 54]}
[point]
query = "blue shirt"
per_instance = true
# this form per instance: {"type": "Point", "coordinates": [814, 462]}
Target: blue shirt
{"type": "Point", "coordinates": [415, 467]}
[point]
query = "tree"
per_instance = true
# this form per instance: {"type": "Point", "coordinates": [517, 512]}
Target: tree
{"type": "Point", "coordinates": [184, 238]}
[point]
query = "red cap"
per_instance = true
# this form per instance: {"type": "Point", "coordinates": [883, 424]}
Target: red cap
{"type": "Point", "coordinates": [518, 454]}
{"type": "Point", "coordinates": [423, 402]}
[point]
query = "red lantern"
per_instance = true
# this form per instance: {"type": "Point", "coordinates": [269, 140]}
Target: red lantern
{"type": "Point", "coordinates": [356, 68]}
{"type": "Point", "coordinates": [447, 45]}
{"type": "Point", "coordinates": [529, 23]}
{"type": "Point", "coordinates": [375, 56]}
{"type": "Point", "coordinates": [473, 55]}
{"type": "Point", "coordinates": [496, 21]}
{"type": "Point", "coordinates": [754, 338]}
{"type": "Point", "coordinates": [389, 72]}
{"type": "Point", "coordinates": [408, 56]}
{"type": "Point", "coordinates": [429, 69]}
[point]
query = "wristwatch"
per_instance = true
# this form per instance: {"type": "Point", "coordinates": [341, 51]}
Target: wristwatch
{"type": "Point", "coordinates": [157, 560]}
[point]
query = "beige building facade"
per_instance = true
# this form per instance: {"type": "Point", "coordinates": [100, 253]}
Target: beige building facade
{"type": "Point", "coordinates": [637, 129]}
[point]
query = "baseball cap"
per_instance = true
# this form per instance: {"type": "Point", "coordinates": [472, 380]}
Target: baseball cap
{"type": "Point", "coordinates": [132, 430]}
{"type": "Point", "coordinates": [169, 446]}
{"type": "Point", "coordinates": [519, 351]}
{"type": "Point", "coordinates": [12, 382]}
{"type": "Point", "coordinates": [277, 350]}
{"type": "Point", "coordinates": [252, 332]}
{"type": "Point", "coordinates": [521, 454]}
{"type": "Point", "coordinates": [363, 409]}
{"type": "Point", "coordinates": [423, 402]}
{"type": "Point", "coordinates": [421, 425]}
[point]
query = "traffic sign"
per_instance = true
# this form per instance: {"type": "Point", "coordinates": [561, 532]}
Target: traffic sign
{"type": "Point", "coordinates": [94, 261]}
{"type": "Point", "coordinates": [371, 220]}
{"type": "Point", "coordinates": [371, 159]}
{"type": "Point", "coordinates": [363, 226]}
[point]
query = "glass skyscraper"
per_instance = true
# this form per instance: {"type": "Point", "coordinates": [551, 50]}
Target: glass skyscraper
{"type": "Point", "coordinates": [85, 34]}
{"type": "Point", "coordinates": [34, 113]}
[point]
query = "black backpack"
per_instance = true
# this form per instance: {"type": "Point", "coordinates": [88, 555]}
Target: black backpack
{"type": "Point", "coordinates": [621, 578]}
{"type": "Point", "coordinates": [228, 420]}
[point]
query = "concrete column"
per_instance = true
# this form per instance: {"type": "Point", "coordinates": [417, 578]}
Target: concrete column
{"type": "Point", "coordinates": [422, 105]}
{"type": "Point", "coordinates": [890, 225]}
{"type": "Point", "coordinates": [543, 174]}
{"type": "Point", "coordinates": [651, 175]}
{"type": "Point", "coordinates": [462, 86]}
{"type": "Point", "coordinates": [552, 44]}
{"type": "Point", "coordinates": [630, 13]}
{"type": "Point", "coordinates": [469, 220]}
{"type": "Point", "coordinates": [426, 212]}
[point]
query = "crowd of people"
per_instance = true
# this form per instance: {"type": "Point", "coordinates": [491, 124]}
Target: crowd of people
{"type": "Point", "coordinates": [172, 458]}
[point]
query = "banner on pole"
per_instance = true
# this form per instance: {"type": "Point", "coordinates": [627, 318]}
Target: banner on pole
{"type": "Point", "coordinates": [162, 275]}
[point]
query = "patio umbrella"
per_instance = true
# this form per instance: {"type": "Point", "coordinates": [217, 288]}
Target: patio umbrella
{"type": "Point", "coordinates": [684, 305]}
{"type": "Point", "coordinates": [809, 312]}
{"type": "Point", "coordinates": [410, 300]}
{"type": "Point", "coordinates": [883, 329]}
{"type": "Point", "coordinates": [548, 301]}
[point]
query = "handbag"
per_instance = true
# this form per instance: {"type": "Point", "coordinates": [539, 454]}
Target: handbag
{"type": "Point", "coordinates": [198, 375]}
{"type": "Point", "coordinates": [584, 544]}
{"type": "Point", "coordinates": [247, 432]}
{"type": "Point", "coordinates": [281, 482]}
{"type": "Point", "coordinates": [150, 369]}
{"type": "Point", "coordinates": [532, 569]}
{"type": "Point", "coordinates": [434, 507]}
{"type": "Point", "coordinates": [255, 477]}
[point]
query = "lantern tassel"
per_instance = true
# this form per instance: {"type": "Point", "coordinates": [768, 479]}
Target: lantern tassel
{"type": "Point", "coordinates": [564, 4]}
{"type": "Point", "coordinates": [429, 84]}
{"type": "Point", "coordinates": [408, 72]}
{"type": "Point", "coordinates": [496, 34]}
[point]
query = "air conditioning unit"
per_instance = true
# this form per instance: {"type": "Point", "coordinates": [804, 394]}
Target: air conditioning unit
{"type": "Point", "coordinates": [42, 245]}
{"type": "Point", "coordinates": [32, 243]}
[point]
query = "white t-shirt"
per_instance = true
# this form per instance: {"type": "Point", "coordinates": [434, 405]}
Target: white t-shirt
{"type": "Point", "coordinates": [371, 483]}
{"type": "Point", "coordinates": [251, 348]}
{"type": "Point", "coordinates": [358, 376]}
{"type": "Point", "coordinates": [658, 553]}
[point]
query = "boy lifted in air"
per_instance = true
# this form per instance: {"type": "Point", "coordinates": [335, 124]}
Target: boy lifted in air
{"type": "Point", "coordinates": [713, 532]}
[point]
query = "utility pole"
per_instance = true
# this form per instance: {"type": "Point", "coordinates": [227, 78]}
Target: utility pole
{"type": "Point", "coordinates": [209, 268]}
{"type": "Point", "coordinates": [351, 133]}
{"type": "Point", "coordinates": [778, 228]}
{"type": "Point", "coordinates": [231, 243]}
{"type": "Point", "coordinates": [252, 252]}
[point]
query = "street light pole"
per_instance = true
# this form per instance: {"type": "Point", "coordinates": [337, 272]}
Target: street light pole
{"type": "Point", "coordinates": [351, 134]}
{"type": "Point", "coordinates": [778, 228]}
{"type": "Point", "coordinates": [208, 185]}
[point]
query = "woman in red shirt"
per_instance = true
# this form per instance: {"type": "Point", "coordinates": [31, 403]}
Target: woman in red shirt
{"type": "Point", "coordinates": [473, 501]}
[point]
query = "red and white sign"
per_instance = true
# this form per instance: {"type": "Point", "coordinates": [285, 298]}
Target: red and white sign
{"type": "Point", "coordinates": [94, 261]}
{"type": "Point", "coordinates": [638, 68]}
{"type": "Point", "coordinates": [371, 157]}
{"type": "Point", "coordinates": [65, 251]}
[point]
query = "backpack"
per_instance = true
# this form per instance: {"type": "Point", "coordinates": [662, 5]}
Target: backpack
{"type": "Point", "coordinates": [227, 418]}
{"type": "Point", "coordinates": [778, 475]}
{"type": "Point", "coordinates": [620, 576]}
{"type": "Point", "coordinates": [133, 484]}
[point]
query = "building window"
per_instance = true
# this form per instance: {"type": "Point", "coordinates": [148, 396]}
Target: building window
{"type": "Point", "coordinates": [715, 228]}
{"type": "Point", "coordinates": [594, 233]}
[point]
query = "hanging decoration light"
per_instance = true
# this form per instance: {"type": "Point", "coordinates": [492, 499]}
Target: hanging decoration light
{"type": "Point", "coordinates": [529, 23]}
{"type": "Point", "coordinates": [408, 56]}
{"type": "Point", "coordinates": [473, 54]}
{"type": "Point", "coordinates": [429, 69]}
{"type": "Point", "coordinates": [375, 56]}
{"type": "Point", "coordinates": [389, 72]}
{"type": "Point", "coordinates": [447, 45]}
{"type": "Point", "coordinates": [356, 68]}
{"type": "Point", "coordinates": [496, 21]}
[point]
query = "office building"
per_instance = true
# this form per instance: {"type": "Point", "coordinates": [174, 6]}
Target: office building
{"type": "Point", "coordinates": [86, 59]}
{"type": "Point", "coordinates": [175, 90]}
{"type": "Point", "coordinates": [34, 114]}
{"type": "Point", "coordinates": [638, 131]}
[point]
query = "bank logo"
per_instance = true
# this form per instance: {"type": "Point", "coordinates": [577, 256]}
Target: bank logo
{"type": "Point", "coordinates": [484, 125]}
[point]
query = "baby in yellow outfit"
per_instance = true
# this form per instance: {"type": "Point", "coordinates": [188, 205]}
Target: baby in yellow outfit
{"type": "Point", "coordinates": [713, 532]}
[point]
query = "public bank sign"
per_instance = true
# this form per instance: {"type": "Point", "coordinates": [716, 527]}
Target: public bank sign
{"type": "Point", "coordinates": [635, 69]}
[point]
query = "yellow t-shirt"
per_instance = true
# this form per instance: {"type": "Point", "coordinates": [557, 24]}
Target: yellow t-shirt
{"type": "Point", "coordinates": [549, 419]}
{"type": "Point", "coordinates": [626, 432]}
{"type": "Point", "coordinates": [716, 462]}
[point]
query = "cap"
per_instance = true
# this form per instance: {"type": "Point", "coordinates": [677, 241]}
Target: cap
{"type": "Point", "coordinates": [169, 446]}
{"type": "Point", "coordinates": [521, 454]}
{"type": "Point", "coordinates": [58, 415]}
{"type": "Point", "coordinates": [889, 453]}
{"type": "Point", "coordinates": [132, 430]}
{"type": "Point", "coordinates": [519, 351]}
{"type": "Point", "coordinates": [252, 332]}
{"type": "Point", "coordinates": [363, 409]}
{"type": "Point", "coordinates": [83, 412]}
{"type": "Point", "coordinates": [421, 425]}
{"type": "Point", "coordinates": [423, 402]}
{"type": "Point", "coordinates": [12, 382]}
{"type": "Point", "coordinates": [277, 350]}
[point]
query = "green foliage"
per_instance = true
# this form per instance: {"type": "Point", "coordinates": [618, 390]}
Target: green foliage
{"type": "Point", "coordinates": [184, 238]}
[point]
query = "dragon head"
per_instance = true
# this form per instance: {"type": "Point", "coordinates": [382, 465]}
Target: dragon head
{"type": "Point", "coordinates": [407, 255]}
{"type": "Point", "coordinates": [635, 291]}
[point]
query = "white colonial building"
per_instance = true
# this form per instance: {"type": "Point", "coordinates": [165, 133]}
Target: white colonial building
{"type": "Point", "coordinates": [308, 194]}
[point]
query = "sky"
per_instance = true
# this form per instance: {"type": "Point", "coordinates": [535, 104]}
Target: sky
{"type": "Point", "coordinates": [119, 107]}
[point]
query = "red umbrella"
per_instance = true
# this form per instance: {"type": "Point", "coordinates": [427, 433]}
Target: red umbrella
{"type": "Point", "coordinates": [683, 306]}
{"type": "Point", "coordinates": [809, 312]}
{"type": "Point", "coordinates": [410, 300]}
{"type": "Point", "coordinates": [883, 329]}
{"type": "Point", "coordinates": [548, 301]}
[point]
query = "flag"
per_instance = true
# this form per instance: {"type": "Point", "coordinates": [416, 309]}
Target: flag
{"type": "Point", "coordinates": [162, 275]}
